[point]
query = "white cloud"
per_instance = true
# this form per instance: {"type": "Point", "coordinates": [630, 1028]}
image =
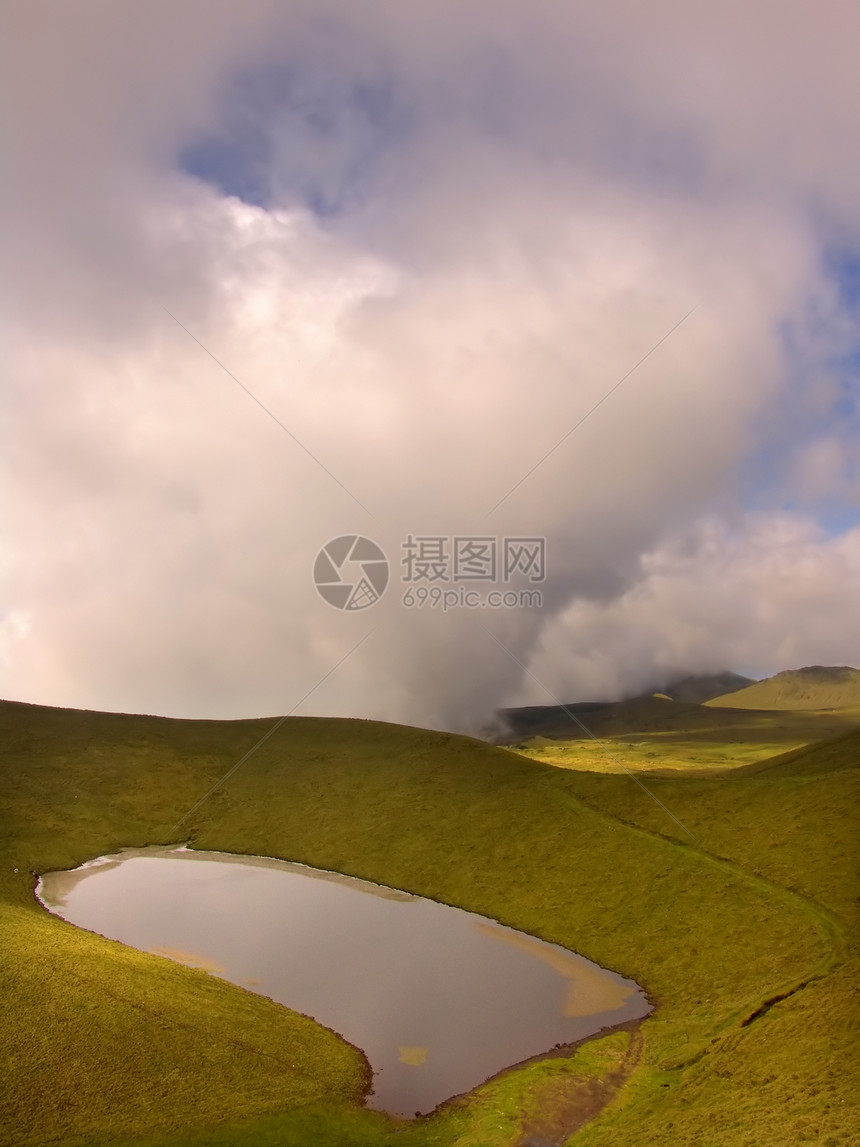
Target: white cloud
{"type": "Point", "coordinates": [772, 594]}
{"type": "Point", "coordinates": [560, 199]}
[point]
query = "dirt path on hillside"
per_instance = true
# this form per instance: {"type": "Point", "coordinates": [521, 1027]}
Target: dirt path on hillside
{"type": "Point", "coordinates": [562, 1105]}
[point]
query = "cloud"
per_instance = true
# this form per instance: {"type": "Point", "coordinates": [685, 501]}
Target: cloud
{"type": "Point", "coordinates": [772, 593]}
{"type": "Point", "coordinates": [470, 231]}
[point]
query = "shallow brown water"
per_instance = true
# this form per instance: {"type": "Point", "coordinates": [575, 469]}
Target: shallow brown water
{"type": "Point", "coordinates": [439, 999]}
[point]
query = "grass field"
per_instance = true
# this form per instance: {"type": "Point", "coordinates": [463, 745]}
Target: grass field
{"type": "Point", "coordinates": [708, 744]}
{"type": "Point", "coordinates": [738, 924]}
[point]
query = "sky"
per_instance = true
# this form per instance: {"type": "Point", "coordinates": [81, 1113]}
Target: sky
{"type": "Point", "coordinates": [283, 272]}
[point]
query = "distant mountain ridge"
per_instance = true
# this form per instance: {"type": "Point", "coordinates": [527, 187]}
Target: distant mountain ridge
{"type": "Point", "coordinates": [696, 690]}
{"type": "Point", "coordinates": [689, 704]}
{"type": "Point", "coordinates": [813, 687]}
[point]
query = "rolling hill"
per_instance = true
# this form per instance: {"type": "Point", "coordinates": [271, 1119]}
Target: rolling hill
{"type": "Point", "coordinates": [730, 899]}
{"type": "Point", "coordinates": [814, 687]}
{"type": "Point", "coordinates": [830, 755]}
{"type": "Point", "coordinates": [653, 715]}
{"type": "Point", "coordinates": [789, 710]}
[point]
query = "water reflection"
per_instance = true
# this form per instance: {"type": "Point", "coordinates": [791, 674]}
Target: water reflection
{"type": "Point", "coordinates": [439, 999]}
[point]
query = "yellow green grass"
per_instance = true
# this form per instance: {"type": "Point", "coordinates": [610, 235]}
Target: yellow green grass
{"type": "Point", "coordinates": [760, 739]}
{"type": "Point", "coordinates": [700, 724]}
{"type": "Point", "coordinates": [106, 1045]}
{"type": "Point", "coordinates": [815, 687]}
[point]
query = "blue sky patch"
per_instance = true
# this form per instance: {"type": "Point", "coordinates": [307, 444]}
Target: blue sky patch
{"type": "Point", "coordinates": [289, 134]}
{"type": "Point", "coordinates": [801, 418]}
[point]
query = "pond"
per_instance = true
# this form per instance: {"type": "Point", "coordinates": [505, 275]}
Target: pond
{"type": "Point", "coordinates": [438, 999]}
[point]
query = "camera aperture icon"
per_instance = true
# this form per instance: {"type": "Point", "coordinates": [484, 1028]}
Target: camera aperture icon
{"type": "Point", "coordinates": [351, 572]}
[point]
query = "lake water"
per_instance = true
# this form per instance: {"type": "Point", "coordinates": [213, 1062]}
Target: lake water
{"type": "Point", "coordinates": [437, 998]}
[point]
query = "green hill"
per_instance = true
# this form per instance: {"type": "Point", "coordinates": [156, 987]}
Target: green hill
{"type": "Point", "coordinates": [832, 754]}
{"type": "Point", "coordinates": [731, 901]}
{"type": "Point", "coordinates": [814, 687]}
{"type": "Point", "coordinates": [654, 715]}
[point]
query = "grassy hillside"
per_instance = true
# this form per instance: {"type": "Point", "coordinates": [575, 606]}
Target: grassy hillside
{"type": "Point", "coordinates": [815, 687]}
{"type": "Point", "coordinates": [116, 1046]}
{"type": "Point", "coordinates": [656, 731]}
{"type": "Point", "coordinates": [831, 755]}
